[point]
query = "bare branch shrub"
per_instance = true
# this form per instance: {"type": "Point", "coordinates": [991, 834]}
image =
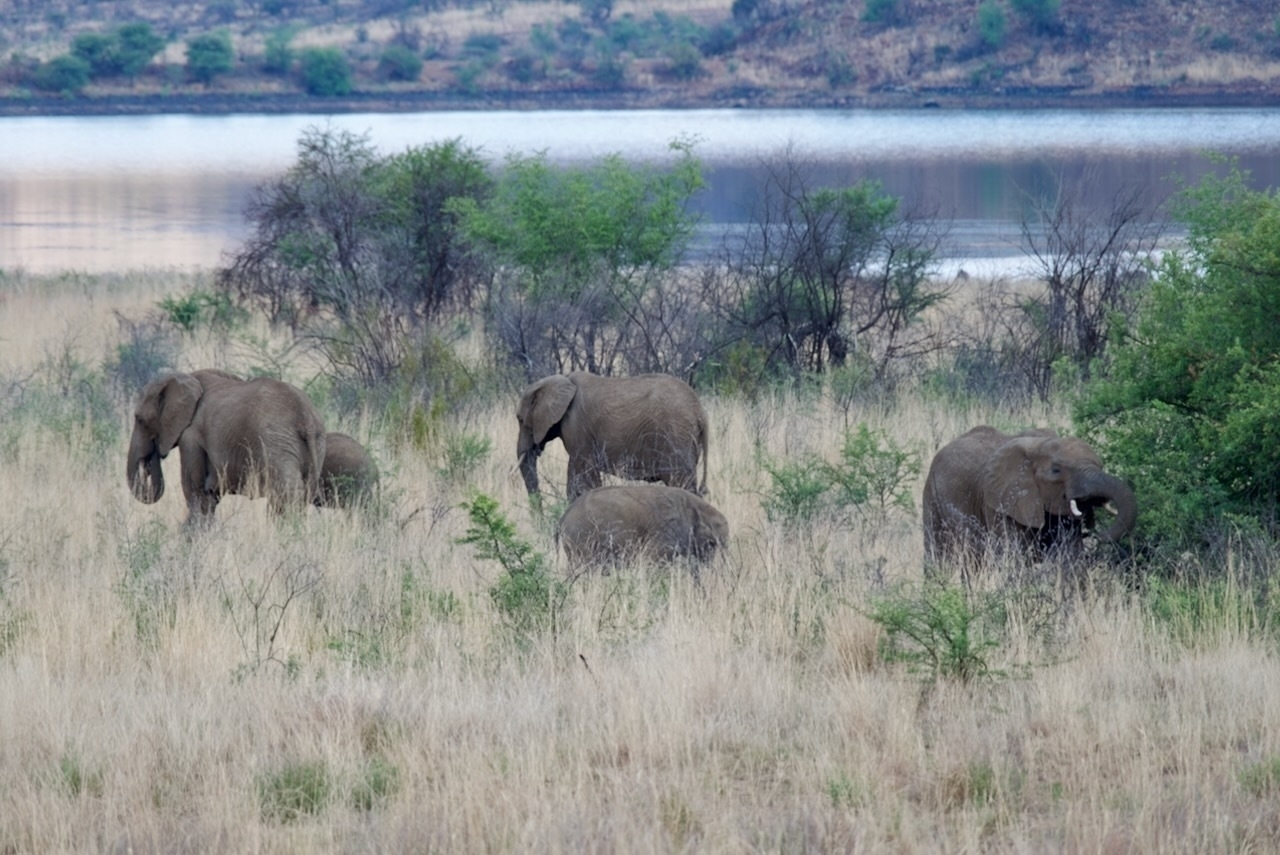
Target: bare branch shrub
{"type": "Point", "coordinates": [1092, 264]}
{"type": "Point", "coordinates": [825, 275]}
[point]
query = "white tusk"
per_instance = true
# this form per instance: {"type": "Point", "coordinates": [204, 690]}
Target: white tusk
{"type": "Point", "coordinates": [1075, 510]}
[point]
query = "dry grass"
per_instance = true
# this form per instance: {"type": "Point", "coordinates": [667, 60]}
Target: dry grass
{"type": "Point", "coordinates": [144, 705]}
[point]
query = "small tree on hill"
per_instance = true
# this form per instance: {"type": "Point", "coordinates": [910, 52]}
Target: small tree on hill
{"type": "Point", "coordinates": [209, 56]}
{"type": "Point", "coordinates": [325, 71]}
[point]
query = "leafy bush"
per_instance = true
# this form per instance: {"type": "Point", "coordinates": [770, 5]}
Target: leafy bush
{"type": "Point", "coordinates": [1189, 409]}
{"type": "Point", "coordinates": [584, 247]}
{"type": "Point", "coordinates": [992, 24]}
{"type": "Point", "coordinates": [873, 470]}
{"type": "Point", "coordinates": [294, 791]}
{"type": "Point", "coordinates": [525, 594]}
{"type": "Point", "coordinates": [65, 73]}
{"type": "Point", "coordinates": [399, 63]}
{"type": "Point", "coordinates": [209, 56]}
{"type": "Point", "coordinates": [883, 12]}
{"type": "Point", "coordinates": [325, 71]}
{"type": "Point", "coordinates": [941, 631]}
{"type": "Point", "coordinates": [199, 308]}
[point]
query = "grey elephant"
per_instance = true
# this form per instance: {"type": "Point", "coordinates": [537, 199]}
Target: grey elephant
{"type": "Point", "coordinates": [650, 427]}
{"type": "Point", "coordinates": [254, 437]}
{"type": "Point", "coordinates": [349, 475]}
{"type": "Point", "coordinates": [1033, 491]}
{"type": "Point", "coordinates": [655, 521]}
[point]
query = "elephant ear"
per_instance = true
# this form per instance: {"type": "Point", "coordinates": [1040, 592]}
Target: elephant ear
{"type": "Point", "coordinates": [545, 404]}
{"type": "Point", "coordinates": [178, 399]}
{"type": "Point", "coordinates": [1009, 485]}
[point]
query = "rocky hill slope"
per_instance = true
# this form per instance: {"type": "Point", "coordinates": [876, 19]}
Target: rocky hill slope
{"type": "Point", "coordinates": [399, 54]}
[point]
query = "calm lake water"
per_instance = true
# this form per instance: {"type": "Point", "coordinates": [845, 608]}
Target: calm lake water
{"type": "Point", "coordinates": [114, 193]}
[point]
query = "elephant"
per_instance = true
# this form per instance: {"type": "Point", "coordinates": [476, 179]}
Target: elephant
{"type": "Point", "coordinates": [348, 476]}
{"type": "Point", "coordinates": [254, 437]}
{"type": "Point", "coordinates": [607, 524]}
{"type": "Point", "coordinates": [650, 427]}
{"type": "Point", "coordinates": [1035, 491]}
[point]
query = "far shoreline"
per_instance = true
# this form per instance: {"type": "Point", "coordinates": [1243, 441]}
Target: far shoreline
{"type": "Point", "coordinates": [226, 103]}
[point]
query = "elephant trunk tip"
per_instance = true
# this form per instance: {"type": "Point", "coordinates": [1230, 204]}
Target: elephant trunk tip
{"type": "Point", "coordinates": [146, 479]}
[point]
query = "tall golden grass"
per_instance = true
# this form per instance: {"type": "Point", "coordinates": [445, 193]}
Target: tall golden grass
{"type": "Point", "coordinates": [343, 682]}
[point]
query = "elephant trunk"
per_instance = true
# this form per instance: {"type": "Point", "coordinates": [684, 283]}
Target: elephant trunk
{"type": "Point", "coordinates": [144, 473]}
{"type": "Point", "coordinates": [1117, 492]}
{"type": "Point", "coordinates": [529, 469]}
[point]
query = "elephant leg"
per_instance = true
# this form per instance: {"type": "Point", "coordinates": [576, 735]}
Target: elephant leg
{"type": "Point", "coordinates": [582, 477]}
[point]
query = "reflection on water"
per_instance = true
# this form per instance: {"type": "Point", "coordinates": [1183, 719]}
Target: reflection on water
{"type": "Point", "coordinates": [112, 193]}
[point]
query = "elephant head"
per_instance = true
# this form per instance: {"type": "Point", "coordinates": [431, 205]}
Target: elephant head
{"type": "Point", "coordinates": [164, 410]}
{"type": "Point", "coordinates": [542, 407]}
{"type": "Point", "coordinates": [1051, 484]}
{"type": "Point", "coordinates": [1036, 489]}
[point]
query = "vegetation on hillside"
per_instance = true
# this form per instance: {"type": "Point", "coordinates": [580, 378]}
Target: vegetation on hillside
{"type": "Point", "coordinates": [749, 52]}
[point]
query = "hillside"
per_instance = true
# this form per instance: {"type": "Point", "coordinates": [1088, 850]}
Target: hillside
{"type": "Point", "coordinates": [395, 54]}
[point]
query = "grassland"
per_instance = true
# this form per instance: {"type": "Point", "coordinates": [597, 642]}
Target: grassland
{"type": "Point", "coordinates": [344, 682]}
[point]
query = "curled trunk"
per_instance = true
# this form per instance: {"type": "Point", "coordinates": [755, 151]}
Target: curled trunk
{"type": "Point", "coordinates": [1117, 493]}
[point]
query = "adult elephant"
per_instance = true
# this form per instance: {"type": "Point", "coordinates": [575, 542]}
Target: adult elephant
{"type": "Point", "coordinates": [620, 521]}
{"type": "Point", "coordinates": [650, 427]}
{"type": "Point", "coordinates": [349, 475]}
{"type": "Point", "coordinates": [255, 437]}
{"type": "Point", "coordinates": [1035, 491]}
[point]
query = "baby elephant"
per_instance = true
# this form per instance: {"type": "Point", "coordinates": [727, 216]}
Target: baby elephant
{"type": "Point", "coordinates": [660, 522]}
{"type": "Point", "coordinates": [348, 475]}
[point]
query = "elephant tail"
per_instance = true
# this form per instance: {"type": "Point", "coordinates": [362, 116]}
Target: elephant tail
{"type": "Point", "coordinates": [704, 440]}
{"type": "Point", "coordinates": [313, 442]}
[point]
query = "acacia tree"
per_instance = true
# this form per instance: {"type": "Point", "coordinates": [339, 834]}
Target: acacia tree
{"type": "Point", "coordinates": [822, 275]}
{"type": "Point", "coordinates": [585, 255]}
{"type": "Point", "coordinates": [358, 251]}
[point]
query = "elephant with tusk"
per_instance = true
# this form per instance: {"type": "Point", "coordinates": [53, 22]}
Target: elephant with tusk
{"type": "Point", "coordinates": [1036, 491]}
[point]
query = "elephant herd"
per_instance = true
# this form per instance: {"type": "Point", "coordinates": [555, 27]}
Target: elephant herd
{"type": "Point", "coordinates": [1035, 492]}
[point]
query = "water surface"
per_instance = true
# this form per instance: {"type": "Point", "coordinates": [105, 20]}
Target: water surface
{"type": "Point", "coordinates": [118, 192]}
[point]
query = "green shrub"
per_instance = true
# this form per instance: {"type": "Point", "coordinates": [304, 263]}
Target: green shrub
{"type": "Point", "coordinates": [1189, 407]}
{"type": "Point", "coordinates": [1261, 779]}
{"type": "Point", "coordinates": [992, 24]}
{"type": "Point", "coordinates": [684, 61]}
{"type": "Point", "coordinates": [209, 56]}
{"type": "Point", "coordinates": [399, 63]}
{"type": "Point", "coordinates": [325, 71]}
{"type": "Point", "coordinates": [78, 780]}
{"type": "Point", "coordinates": [199, 308]}
{"type": "Point", "coordinates": [67, 74]}
{"type": "Point", "coordinates": [463, 453]}
{"type": "Point", "coordinates": [525, 594]}
{"type": "Point", "coordinates": [294, 791]}
{"type": "Point", "coordinates": [873, 471]}
{"type": "Point", "coordinates": [882, 12]}
{"type": "Point", "coordinates": [941, 631]}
